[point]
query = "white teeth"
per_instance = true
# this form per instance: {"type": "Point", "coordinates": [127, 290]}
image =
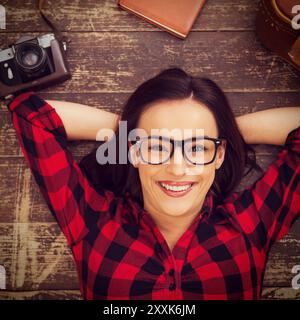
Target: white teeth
{"type": "Point", "coordinates": [175, 188]}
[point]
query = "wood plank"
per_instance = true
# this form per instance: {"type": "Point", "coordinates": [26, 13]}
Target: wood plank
{"type": "Point", "coordinates": [24, 201]}
{"type": "Point", "coordinates": [36, 256]}
{"type": "Point", "coordinates": [268, 293]}
{"type": "Point", "coordinates": [105, 15]}
{"type": "Point", "coordinates": [41, 295]}
{"type": "Point", "coordinates": [103, 62]}
{"type": "Point", "coordinates": [280, 294]}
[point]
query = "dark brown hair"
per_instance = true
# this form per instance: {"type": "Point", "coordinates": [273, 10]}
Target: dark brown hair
{"type": "Point", "coordinates": [175, 84]}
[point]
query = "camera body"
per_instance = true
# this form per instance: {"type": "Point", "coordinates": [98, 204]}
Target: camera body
{"type": "Point", "coordinates": [32, 63]}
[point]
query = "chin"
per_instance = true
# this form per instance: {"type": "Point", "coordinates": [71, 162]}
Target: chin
{"type": "Point", "coordinates": [177, 211]}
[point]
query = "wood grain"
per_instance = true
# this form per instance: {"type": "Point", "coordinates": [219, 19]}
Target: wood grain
{"type": "Point", "coordinates": [105, 15]}
{"type": "Point", "coordinates": [41, 295]}
{"type": "Point", "coordinates": [103, 62]}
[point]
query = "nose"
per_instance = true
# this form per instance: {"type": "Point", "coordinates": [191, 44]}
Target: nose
{"type": "Point", "coordinates": [177, 164]}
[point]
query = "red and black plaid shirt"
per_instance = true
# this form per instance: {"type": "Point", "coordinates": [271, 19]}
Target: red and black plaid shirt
{"type": "Point", "coordinates": [119, 251]}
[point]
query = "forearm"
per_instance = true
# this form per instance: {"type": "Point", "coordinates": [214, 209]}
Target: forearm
{"type": "Point", "coordinates": [82, 122]}
{"type": "Point", "coordinates": [269, 126]}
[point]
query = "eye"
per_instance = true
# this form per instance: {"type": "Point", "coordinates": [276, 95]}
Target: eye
{"type": "Point", "coordinates": [198, 148]}
{"type": "Point", "coordinates": [157, 147]}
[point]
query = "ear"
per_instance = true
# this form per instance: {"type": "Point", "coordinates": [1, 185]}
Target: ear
{"type": "Point", "coordinates": [220, 156]}
{"type": "Point", "coordinates": [134, 154]}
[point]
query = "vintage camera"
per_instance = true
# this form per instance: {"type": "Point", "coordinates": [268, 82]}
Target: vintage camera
{"type": "Point", "coordinates": [32, 63]}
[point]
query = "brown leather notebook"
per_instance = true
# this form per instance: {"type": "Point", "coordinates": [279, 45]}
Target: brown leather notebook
{"type": "Point", "coordinates": [174, 16]}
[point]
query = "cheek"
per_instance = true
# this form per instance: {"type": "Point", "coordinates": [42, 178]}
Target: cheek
{"type": "Point", "coordinates": [206, 172]}
{"type": "Point", "coordinates": [210, 177]}
{"type": "Point", "coordinates": [206, 177]}
{"type": "Point", "coordinates": [146, 173]}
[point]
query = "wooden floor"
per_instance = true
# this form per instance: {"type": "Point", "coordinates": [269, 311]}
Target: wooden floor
{"type": "Point", "coordinates": [110, 54]}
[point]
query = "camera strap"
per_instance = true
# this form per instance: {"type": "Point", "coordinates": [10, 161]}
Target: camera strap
{"type": "Point", "coordinates": [55, 30]}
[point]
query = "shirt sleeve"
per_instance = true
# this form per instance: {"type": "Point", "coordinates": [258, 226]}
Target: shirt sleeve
{"type": "Point", "coordinates": [69, 195]}
{"type": "Point", "coordinates": [267, 209]}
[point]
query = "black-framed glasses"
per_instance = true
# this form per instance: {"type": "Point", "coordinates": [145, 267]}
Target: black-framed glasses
{"type": "Point", "coordinates": [199, 150]}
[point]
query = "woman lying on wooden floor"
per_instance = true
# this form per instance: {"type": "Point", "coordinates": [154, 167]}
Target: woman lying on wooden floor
{"type": "Point", "coordinates": [167, 224]}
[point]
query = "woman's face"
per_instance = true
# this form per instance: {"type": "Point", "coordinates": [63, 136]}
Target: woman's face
{"type": "Point", "coordinates": [177, 188]}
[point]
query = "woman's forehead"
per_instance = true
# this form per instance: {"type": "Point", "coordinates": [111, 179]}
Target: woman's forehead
{"type": "Point", "coordinates": [180, 115]}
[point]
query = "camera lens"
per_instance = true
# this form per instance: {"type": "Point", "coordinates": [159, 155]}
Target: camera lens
{"type": "Point", "coordinates": [30, 57]}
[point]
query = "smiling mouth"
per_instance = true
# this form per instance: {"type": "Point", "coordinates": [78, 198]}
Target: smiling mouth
{"type": "Point", "coordinates": [176, 189]}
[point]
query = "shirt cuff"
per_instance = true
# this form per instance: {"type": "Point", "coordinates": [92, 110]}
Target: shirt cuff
{"type": "Point", "coordinates": [16, 101]}
{"type": "Point", "coordinates": [292, 142]}
{"type": "Point", "coordinates": [294, 134]}
{"type": "Point", "coordinates": [37, 111]}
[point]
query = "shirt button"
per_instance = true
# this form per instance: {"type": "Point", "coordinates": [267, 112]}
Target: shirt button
{"type": "Point", "coordinates": [172, 286]}
{"type": "Point", "coordinates": [171, 272]}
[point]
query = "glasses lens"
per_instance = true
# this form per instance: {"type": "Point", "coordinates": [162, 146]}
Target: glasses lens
{"type": "Point", "coordinates": [155, 150]}
{"type": "Point", "coordinates": [199, 150]}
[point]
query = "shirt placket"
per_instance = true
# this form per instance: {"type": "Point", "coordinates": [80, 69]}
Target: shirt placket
{"type": "Point", "coordinates": [172, 260]}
